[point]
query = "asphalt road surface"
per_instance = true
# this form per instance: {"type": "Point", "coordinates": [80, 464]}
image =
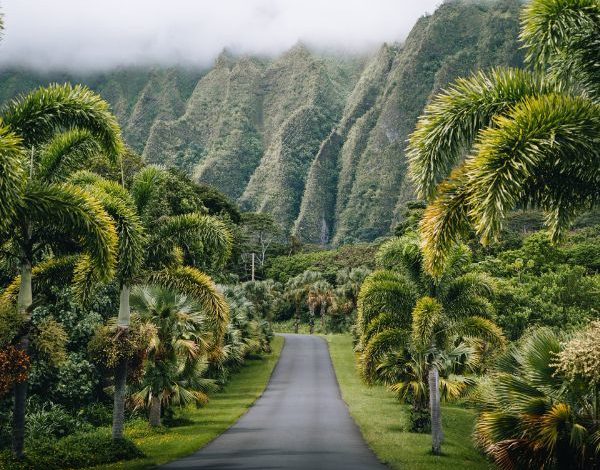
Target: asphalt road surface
{"type": "Point", "coordinates": [300, 422]}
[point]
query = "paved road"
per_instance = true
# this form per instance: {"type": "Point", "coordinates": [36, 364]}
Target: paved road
{"type": "Point", "coordinates": [300, 422]}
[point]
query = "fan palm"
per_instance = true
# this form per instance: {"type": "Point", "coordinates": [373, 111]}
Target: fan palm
{"type": "Point", "coordinates": [320, 296]}
{"type": "Point", "coordinates": [176, 354]}
{"type": "Point", "coordinates": [531, 138]}
{"type": "Point", "coordinates": [43, 137]}
{"type": "Point", "coordinates": [296, 290]}
{"type": "Point", "coordinates": [405, 309]}
{"type": "Point", "coordinates": [536, 416]}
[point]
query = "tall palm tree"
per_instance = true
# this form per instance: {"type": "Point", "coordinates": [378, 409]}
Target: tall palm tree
{"type": "Point", "coordinates": [405, 309]}
{"type": "Point", "coordinates": [156, 255]}
{"type": "Point", "coordinates": [43, 137]}
{"type": "Point", "coordinates": [530, 137]}
{"type": "Point", "coordinates": [131, 249]}
{"type": "Point", "coordinates": [176, 354]}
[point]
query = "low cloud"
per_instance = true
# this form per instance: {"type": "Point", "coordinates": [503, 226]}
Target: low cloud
{"type": "Point", "coordinates": [100, 34]}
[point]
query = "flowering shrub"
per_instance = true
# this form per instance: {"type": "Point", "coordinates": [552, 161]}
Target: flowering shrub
{"type": "Point", "coordinates": [580, 357]}
{"type": "Point", "coordinates": [14, 368]}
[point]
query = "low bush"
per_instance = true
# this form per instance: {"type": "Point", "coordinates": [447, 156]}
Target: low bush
{"type": "Point", "coordinates": [75, 451]}
{"type": "Point", "coordinates": [52, 421]}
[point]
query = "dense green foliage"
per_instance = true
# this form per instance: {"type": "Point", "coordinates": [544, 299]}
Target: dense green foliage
{"type": "Point", "coordinates": [329, 262]}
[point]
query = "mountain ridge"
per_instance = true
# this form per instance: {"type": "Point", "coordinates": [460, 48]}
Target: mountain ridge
{"type": "Point", "coordinates": [315, 139]}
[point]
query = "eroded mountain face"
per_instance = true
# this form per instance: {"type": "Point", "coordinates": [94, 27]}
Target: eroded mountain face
{"type": "Point", "coordinates": [318, 141]}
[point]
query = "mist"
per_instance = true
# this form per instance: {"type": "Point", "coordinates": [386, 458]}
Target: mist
{"type": "Point", "coordinates": [95, 35]}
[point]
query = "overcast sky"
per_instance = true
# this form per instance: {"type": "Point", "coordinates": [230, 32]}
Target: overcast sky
{"type": "Point", "coordinates": [97, 34]}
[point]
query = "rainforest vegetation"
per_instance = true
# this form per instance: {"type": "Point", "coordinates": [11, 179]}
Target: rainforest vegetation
{"type": "Point", "coordinates": [145, 264]}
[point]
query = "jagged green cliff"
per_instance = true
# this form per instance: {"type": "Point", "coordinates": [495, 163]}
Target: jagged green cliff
{"type": "Point", "coordinates": [317, 140]}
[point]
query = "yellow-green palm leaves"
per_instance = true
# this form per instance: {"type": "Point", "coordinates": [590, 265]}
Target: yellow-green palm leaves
{"type": "Point", "coordinates": [404, 307]}
{"type": "Point", "coordinates": [44, 136]}
{"type": "Point", "coordinates": [525, 138]}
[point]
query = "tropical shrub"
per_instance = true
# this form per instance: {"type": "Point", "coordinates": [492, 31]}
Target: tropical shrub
{"type": "Point", "coordinates": [540, 406]}
{"type": "Point", "coordinates": [79, 450]}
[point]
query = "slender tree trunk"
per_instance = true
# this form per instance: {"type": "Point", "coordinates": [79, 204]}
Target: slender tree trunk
{"type": "Point", "coordinates": [437, 434]}
{"type": "Point", "coordinates": [24, 301]}
{"type": "Point", "coordinates": [119, 400]}
{"type": "Point", "coordinates": [124, 318]}
{"type": "Point", "coordinates": [311, 311]}
{"type": "Point", "coordinates": [322, 312]}
{"type": "Point", "coordinates": [123, 322]}
{"type": "Point", "coordinates": [154, 415]}
{"type": "Point", "coordinates": [297, 320]}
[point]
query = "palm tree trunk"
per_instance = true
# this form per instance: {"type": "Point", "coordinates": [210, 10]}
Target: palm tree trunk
{"type": "Point", "coordinates": [311, 311]}
{"type": "Point", "coordinates": [437, 434]}
{"type": "Point", "coordinates": [24, 301]}
{"type": "Point", "coordinates": [123, 322]}
{"type": "Point", "coordinates": [297, 320]}
{"type": "Point", "coordinates": [154, 415]}
{"type": "Point", "coordinates": [119, 400]}
{"type": "Point", "coordinates": [322, 312]}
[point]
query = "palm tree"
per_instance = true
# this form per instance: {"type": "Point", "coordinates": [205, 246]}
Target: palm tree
{"type": "Point", "coordinates": [176, 354]}
{"type": "Point", "coordinates": [405, 309]}
{"type": "Point", "coordinates": [531, 137]}
{"type": "Point", "coordinates": [535, 414]}
{"type": "Point", "coordinates": [296, 290]}
{"type": "Point", "coordinates": [132, 243]}
{"type": "Point", "coordinates": [319, 297]}
{"type": "Point", "coordinates": [406, 373]}
{"type": "Point", "coordinates": [159, 258]}
{"type": "Point", "coordinates": [40, 212]}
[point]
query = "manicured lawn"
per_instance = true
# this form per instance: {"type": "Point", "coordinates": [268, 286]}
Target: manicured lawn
{"type": "Point", "coordinates": [223, 410]}
{"type": "Point", "coordinates": [382, 421]}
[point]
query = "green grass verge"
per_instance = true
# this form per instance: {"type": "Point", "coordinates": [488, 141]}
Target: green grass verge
{"type": "Point", "coordinates": [382, 421]}
{"type": "Point", "coordinates": [223, 410]}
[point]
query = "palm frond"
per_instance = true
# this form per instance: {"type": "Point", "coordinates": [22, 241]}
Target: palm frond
{"type": "Point", "coordinates": [12, 173]}
{"type": "Point", "coordinates": [478, 327]}
{"type": "Point", "coordinates": [199, 287]}
{"type": "Point", "coordinates": [385, 292]}
{"type": "Point", "coordinates": [77, 213]}
{"type": "Point", "coordinates": [426, 316]}
{"type": "Point", "coordinates": [386, 341]}
{"type": "Point", "coordinates": [445, 221]}
{"type": "Point", "coordinates": [67, 151]}
{"type": "Point", "coordinates": [451, 122]}
{"type": "Point", "coordinates": [565, 35]}
{"type": "Point", "coordinates": [144, 185]}
{"type": "Point", "coordinates": [39, 114]}
{"type": "Point", "coordinates": [121, 208]}
{"type": "Point", "coordinates": [194, 230]}
{"type": "Point", "coordinates": [545, 130]}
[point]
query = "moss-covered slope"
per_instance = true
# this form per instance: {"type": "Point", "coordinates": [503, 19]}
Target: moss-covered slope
{"type": "Point", "coordinates": [317, 140]}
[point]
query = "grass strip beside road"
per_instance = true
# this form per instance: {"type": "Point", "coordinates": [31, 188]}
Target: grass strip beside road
{"type": "Point", "coordinates": [200, 426]}
{"type": "Point", "coordinates": [383, 421]}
